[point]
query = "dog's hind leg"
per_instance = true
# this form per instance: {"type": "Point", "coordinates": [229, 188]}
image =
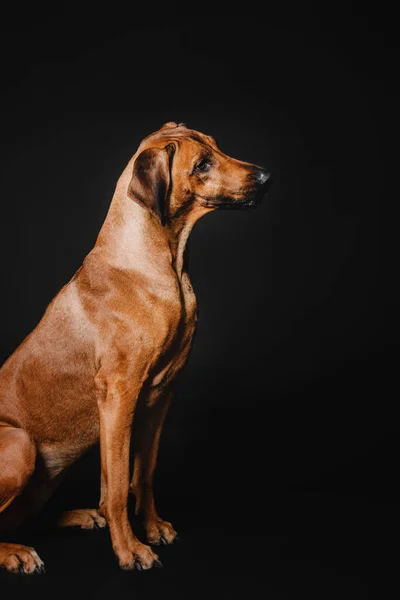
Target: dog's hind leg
{"type": "Point", "coordinates": [17, 463]}
{"type": "Point", "coordinates": [148, 423]}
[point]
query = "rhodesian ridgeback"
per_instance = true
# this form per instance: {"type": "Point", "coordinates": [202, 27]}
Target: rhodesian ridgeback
{"type": "Point", "coordinates": [110, 345]}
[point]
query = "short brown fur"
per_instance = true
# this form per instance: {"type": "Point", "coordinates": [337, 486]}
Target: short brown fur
{"type": "Point", "coordinates": [111, 344]}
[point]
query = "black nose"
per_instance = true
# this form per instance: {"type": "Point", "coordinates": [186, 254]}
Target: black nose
{"type": "Point", "coordinates": [262, 176]}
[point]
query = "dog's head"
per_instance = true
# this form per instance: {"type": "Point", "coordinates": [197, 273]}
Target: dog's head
{"type": "Point", "coordinates": [178, 171]}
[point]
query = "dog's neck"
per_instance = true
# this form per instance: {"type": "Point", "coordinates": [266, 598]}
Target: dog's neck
{"type": "Point", "coordinates": [132, 238]}
{"type": "Point", "coordinates": [178, 232]}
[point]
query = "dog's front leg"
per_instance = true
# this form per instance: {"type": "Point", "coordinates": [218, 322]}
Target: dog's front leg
{"type": "Point", "coordinates": [116, 408]}
{"type": "Point", "coordinates": [149, 421]}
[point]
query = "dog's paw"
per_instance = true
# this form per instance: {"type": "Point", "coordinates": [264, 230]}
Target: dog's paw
{"type": "Point", "coordinates": [160, 532]}
{"type": "Point", "coordinates": [20, 559]}
{"type": "Point", "coordinates": [139, 557]}
{"type": "Point", "coordinates": [85, 518]}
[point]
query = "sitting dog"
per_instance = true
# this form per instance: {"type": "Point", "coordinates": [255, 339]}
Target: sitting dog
{"type": "Point", "coordinates": [111, 344]}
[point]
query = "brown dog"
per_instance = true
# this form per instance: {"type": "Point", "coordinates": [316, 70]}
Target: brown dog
{"type": "Point", "coordinates": [111, 344]}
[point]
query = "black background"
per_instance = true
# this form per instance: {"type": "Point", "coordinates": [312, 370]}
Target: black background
{"type": "Point", "coordinates": [279, 459]}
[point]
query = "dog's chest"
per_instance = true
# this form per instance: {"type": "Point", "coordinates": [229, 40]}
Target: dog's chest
{"type": "Point", "coordinates": [168, 367]}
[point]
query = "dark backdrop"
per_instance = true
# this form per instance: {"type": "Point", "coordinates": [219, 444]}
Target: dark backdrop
{"type": "Point", "coordinates": [278, 462]}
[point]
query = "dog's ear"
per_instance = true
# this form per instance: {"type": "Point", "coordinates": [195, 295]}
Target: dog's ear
{"type": "Point", "coordinates": [151, 180]}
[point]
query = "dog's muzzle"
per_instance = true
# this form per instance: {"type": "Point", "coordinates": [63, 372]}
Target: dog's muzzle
{"type": "Point", "coordinates": [262, 177]}
{"type": "Point", "coordinates": [262, 183]}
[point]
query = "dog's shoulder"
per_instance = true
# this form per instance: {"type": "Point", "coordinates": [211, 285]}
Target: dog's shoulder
{"type": "Point", "coordinates": [127, 304]}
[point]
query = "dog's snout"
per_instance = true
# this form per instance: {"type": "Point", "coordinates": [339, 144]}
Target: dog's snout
{"type": "Point", "coordinates": [262, 176]}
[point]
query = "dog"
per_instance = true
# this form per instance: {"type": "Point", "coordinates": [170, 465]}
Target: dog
{"type": "Point", "coordinates": [110, 345]}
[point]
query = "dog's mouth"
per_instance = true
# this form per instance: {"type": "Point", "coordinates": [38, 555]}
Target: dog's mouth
{"type": "Point", "coordinates": [242, 201]}
{"type": "Point", "coordinates": [254, 199]}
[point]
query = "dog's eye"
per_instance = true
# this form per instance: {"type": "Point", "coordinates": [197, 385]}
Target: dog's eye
{"type": "Point", "coordinates": [203, 165]}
